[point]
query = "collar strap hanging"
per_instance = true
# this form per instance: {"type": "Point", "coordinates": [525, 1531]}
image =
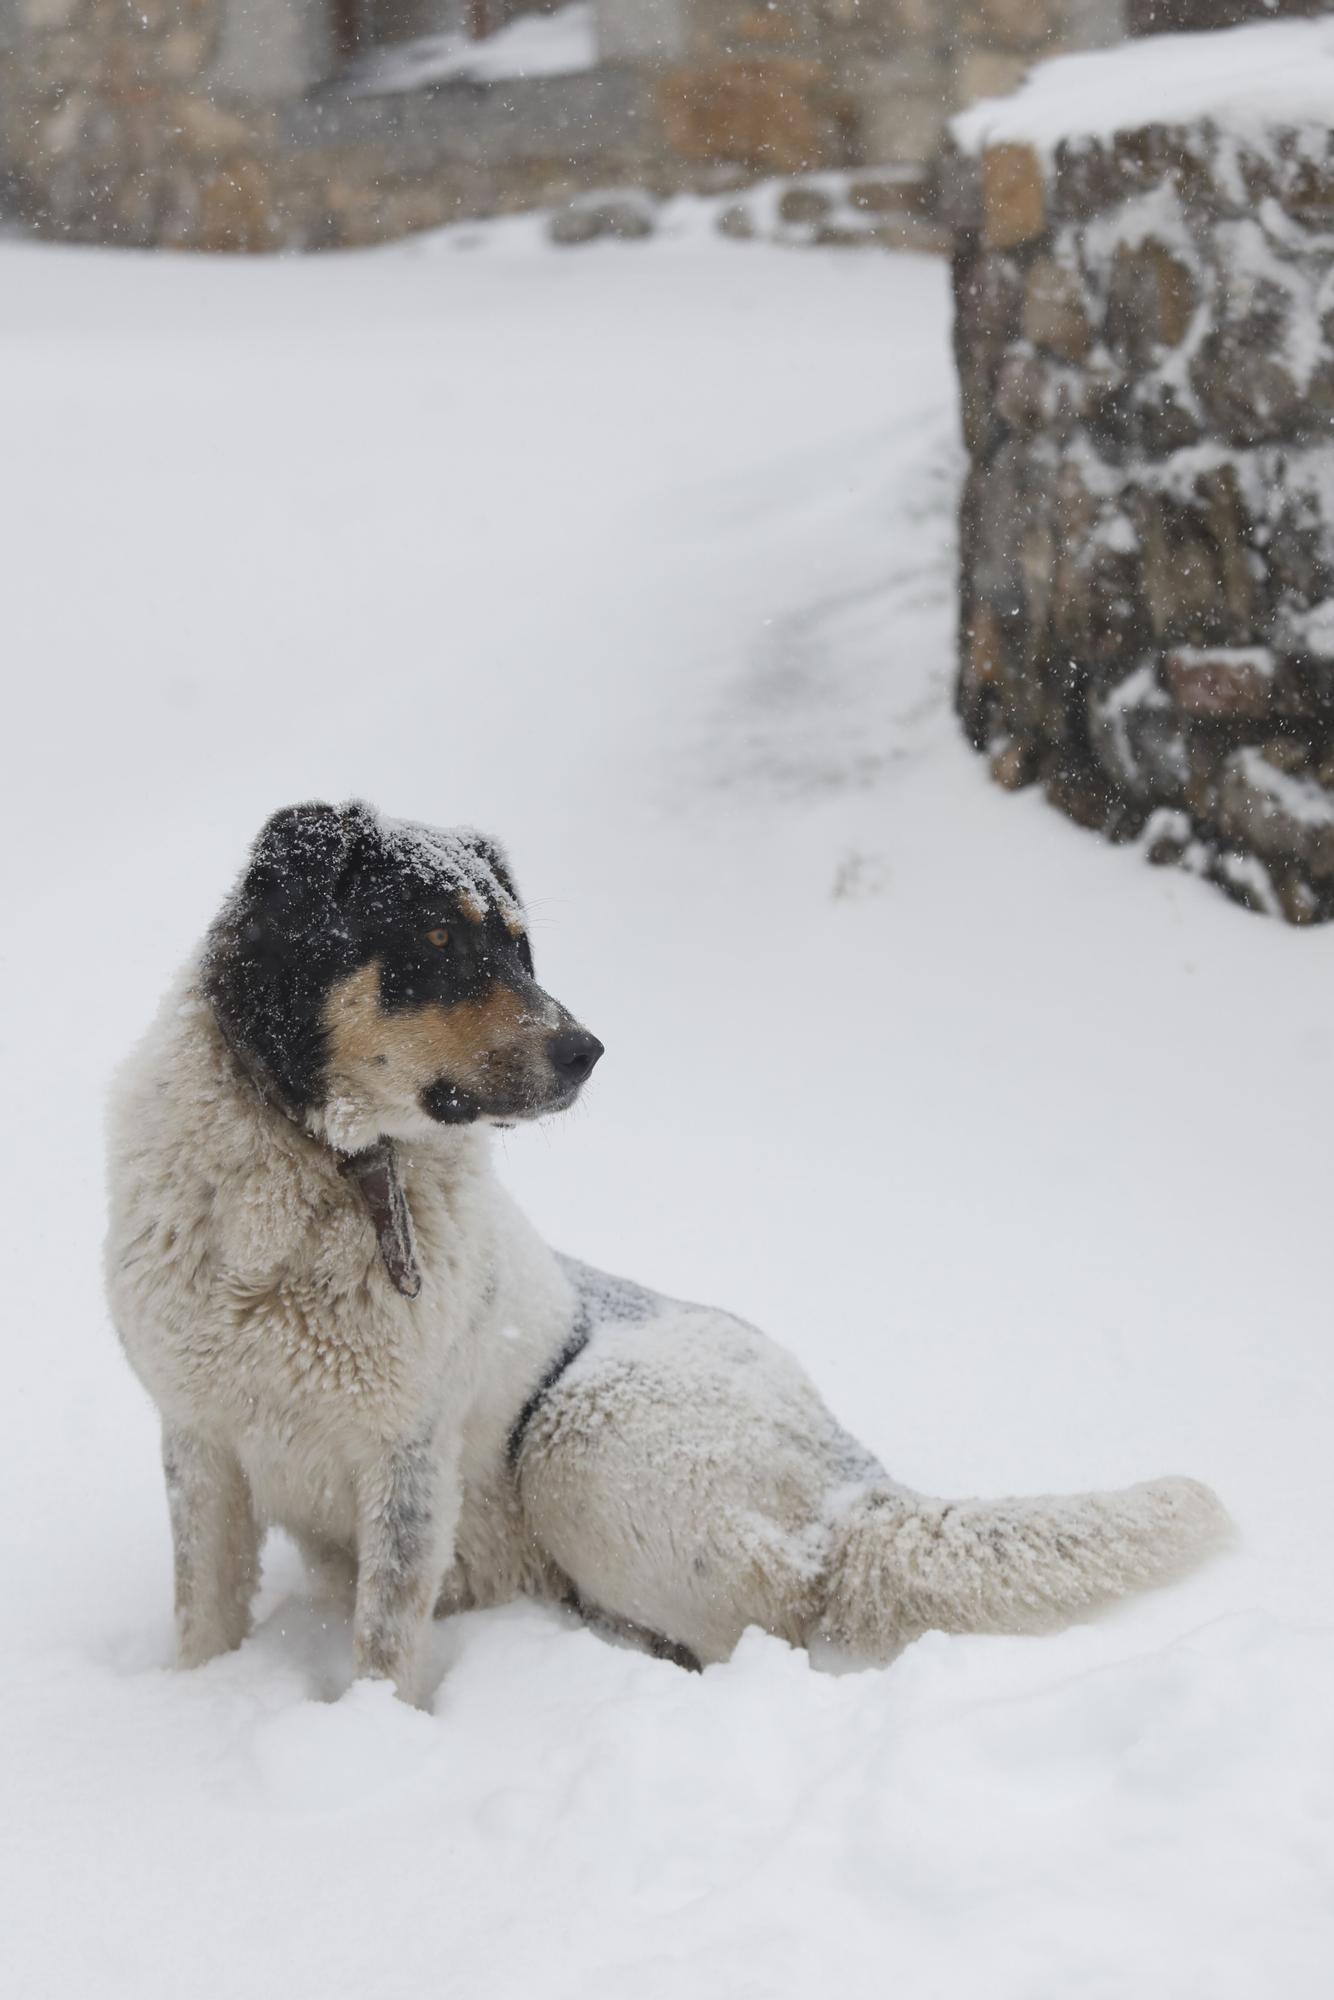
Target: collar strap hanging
{"type": "Point", "coordinates": [374, 1173]}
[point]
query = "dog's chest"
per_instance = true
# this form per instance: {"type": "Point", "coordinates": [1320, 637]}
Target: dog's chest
{"type": "Point", "coordinates": [330, 1342]}
{"type": "Point", "coordinates": [293, 1361]}
{"type": "Point", "coordinates": [261, 1309]}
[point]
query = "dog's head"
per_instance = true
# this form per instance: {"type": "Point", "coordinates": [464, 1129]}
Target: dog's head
{"type": "Point", "coordinates": [376, 977]}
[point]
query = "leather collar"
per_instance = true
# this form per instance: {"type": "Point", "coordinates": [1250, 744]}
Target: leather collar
{"type": "Point", "coordinates": [374, 1172]}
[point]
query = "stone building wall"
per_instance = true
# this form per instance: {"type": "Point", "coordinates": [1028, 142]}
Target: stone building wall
{"type": "Point", "coordinates": [229, 124]}
{"type": "Point", "coordinates": [879, 77]}
{"type": "Point", "coordinates": [1145, 342]}
{"type": "Point", "coordinates": [163, 135]}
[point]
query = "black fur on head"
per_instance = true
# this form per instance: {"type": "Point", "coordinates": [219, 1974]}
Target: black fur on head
{"type": "Point", "coordinates": [432, 921]}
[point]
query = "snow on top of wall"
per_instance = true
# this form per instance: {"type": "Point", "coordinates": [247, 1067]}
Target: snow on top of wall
{"type": "Point", "coordinates": [558, 44]}
{"type": "Point", "coordinates": [1259, 658]}
{"type": "Point", "coordinates": [1246, 79]}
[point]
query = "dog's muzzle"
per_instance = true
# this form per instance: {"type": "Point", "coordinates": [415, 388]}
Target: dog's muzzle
{"type": "Point", "coordinates": [521, 1083]}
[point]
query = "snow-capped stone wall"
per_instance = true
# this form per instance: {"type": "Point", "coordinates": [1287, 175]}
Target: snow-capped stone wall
{"type": "Point", "coordinates": [1144, 284]}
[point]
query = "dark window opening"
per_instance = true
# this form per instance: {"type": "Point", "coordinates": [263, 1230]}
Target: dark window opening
{"type": "Point", "coordinates": [362, 25]}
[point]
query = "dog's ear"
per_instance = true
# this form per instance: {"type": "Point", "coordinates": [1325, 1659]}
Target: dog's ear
{"type": "Point", "coordinates": [278, 940]}
{"type": "Point", "coordinates": [496, 859]}
{"type": "Point", "coordinates": [296, 865]}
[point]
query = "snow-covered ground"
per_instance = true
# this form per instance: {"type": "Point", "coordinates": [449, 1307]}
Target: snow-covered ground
{"type": "Point", "coordinates": [642, 558]}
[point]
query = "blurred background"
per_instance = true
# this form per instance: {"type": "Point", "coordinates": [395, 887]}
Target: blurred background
{"type": "Point", "coordinates": [265, 124]}
{"type": "Point", "coordinates": [838, 487]}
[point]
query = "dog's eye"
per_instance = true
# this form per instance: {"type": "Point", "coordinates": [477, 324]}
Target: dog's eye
{"type": "Point", "coordinates": [438, 938]}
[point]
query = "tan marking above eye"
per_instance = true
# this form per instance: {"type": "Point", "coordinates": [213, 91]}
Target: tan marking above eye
{"type": "Point", "coordinates": [438, 938]}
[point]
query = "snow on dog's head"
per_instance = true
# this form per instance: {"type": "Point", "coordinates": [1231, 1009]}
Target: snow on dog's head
{"type": "Point", "coordinates": [375, 975]}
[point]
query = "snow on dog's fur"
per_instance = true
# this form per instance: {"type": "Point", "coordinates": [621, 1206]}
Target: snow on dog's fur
{"type": "Point", "coordinates": [352, 1332]}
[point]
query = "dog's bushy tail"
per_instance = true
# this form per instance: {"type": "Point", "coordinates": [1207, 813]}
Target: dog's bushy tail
{"type": "Point", "coordinates": [903, 1564]}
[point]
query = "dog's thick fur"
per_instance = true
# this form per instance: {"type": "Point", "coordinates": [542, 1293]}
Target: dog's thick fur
{"type": "Point", "coordinates": [439, 1409]}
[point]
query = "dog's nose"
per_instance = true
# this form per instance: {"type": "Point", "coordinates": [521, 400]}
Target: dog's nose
{"type": "Point", "coordinates": [573, 1052]}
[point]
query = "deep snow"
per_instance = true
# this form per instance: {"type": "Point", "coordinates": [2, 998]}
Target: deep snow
{"type": "Point", "coordinates": [641, 559]}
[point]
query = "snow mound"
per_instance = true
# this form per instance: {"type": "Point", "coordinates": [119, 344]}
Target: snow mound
{"type": "Point", "coordinates": [1246, 80]}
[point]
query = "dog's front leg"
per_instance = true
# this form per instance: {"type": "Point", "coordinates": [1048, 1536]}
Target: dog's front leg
{"type": "Point", "coordinates": [215, 1537]}
{"type": "Point", "coordinates": [408, 1507]}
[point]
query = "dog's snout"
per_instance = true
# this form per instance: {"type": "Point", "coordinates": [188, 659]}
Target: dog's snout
{"type": "Point", "coordinates": [573, 1052]}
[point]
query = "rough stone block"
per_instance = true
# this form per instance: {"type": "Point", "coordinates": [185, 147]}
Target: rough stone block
{"type": "Point", "coordinates": [574, 225]}
{"type": "Point", "coordinates": [988, 295]}
{"type": "Point", "coordinates": [209, 130]}
{"type": "Point", "coordinates": [1233, 540]}
{"type": "Point", "coordinates": [1014, 206]}
{"type": "Point", "coordinates": [736, 222]}
{"type": "Point", "coordinates": [183, 53]}
{"type": "Point", "coordinates": [1020, 24]}
{"type": "Point", "coordinates": [1249, 394]}
{"type": "Point", "coordinates": [763, 24]}
{"type": "Point", "coordinates": [1221, 684]}
{"type": "Point", "coordinates": [1054, 314]}
{"type": "Point", "coordinates": [1145, 158]}
{"type": "Point", "coordinates": [46, 14]}
{"type": "Point", "coordinates": [1151, 301]}
{"type": "Point", "coordinates": [915, 20]}
{"type": "Point", "coordinates": [583, 222]}
{"type": "Point", "coordinates": [887, 196]}
{"type": "Point", "coordinates": [1182, 580]}
{"type": "Point", "coordinates": [1137, 738]}
{"type": "Point", "coordinates": [980, 672]}
{"type": "Point", "coordinates": [1311, 196]}
{"type": "Point", "coordinates": [1022, 401]}
{"type": "Point", "coordinates": [781, 114]}
{"type": "Point", "coordinates": [236, 208]}
{"type": "Point", "coordinates": [1014, 765]}
{"type": "Point", "coordinates": [1281, 817]}
{"type": "Point", "coordinates": [803, 205]}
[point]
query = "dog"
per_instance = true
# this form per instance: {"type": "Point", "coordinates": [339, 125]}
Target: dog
{"type": "Point", "coordinates": [351, 1332]}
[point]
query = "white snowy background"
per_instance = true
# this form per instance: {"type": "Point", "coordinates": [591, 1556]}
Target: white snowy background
{"type": "Point", "coordinates": [642, 558]}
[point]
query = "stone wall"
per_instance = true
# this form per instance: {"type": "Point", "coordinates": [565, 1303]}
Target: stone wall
{"type": "Point", "coordinates": [229, 124]}
{"type": "Point", "coordinates": [837, 82]}
{"type": "Point", "coordinates": [1145, 343]}
{"type": "Point", "coordinates": [163, 137]}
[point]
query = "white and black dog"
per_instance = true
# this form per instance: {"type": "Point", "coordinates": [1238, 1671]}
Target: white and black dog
{"type": "Point", "coordinates": [351, 1332]}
